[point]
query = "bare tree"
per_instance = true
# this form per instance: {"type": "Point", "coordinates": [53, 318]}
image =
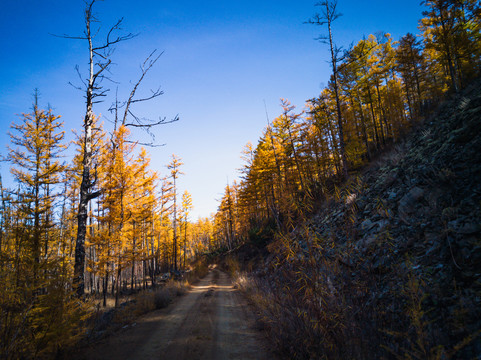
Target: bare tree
{"type": "Point", "coordinates": [327, 16]}
{"type": "Point", "coordinates": [129, 118]}
{"type": "Point", "coordinates": [100, 60]}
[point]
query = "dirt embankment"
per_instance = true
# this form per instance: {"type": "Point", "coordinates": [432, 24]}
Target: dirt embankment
{"type": "Point", "coordinates": [212, 321]}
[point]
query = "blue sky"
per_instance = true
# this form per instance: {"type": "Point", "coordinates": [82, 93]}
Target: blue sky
{"type": "Point", "coordinates": [221, 60]}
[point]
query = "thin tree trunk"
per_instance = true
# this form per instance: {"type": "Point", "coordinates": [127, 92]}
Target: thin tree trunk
{"type": "Point", "coordinates": [118, 281]}
{"type": "Point", "coordinates": [85, 184]}
{"type": "Point", "coordinates": [336, 93]}
{"type": "Point", "coordinates": [383, 115]}
{"type": "Point", "coordinates": [378, 143]}
{"type": "Point", "coordinates": [363, 128]}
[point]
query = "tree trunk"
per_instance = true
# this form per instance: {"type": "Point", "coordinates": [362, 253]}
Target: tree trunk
{"type": "Point", "coordinates": [336, 93]}
{"type": "Point", "coordinates": [79, 281]}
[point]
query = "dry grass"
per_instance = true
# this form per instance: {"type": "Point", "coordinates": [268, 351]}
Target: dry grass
{"type": "Point", "coordinates": [148, 300]}
{"type": "Point", "coordinates": [199, 270]}
{"type": "Point", "coordinates": [315, 309]}
{"type": "Point", "coordinates": [309, 307]}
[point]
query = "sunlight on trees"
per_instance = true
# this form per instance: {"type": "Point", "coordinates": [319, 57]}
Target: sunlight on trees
{"type": "Point", "coordinates": [105, 224]}
{"type": "Point", "coordinates": [379, 89]}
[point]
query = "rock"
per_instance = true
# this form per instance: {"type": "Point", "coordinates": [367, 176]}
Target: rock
{"type": "Point", "coordinates": [382, 225]}
{"type": "Point", "coordinates": [392, 196]}
{"type": "Point", "coordinates": [367, 225]}
{"type": "Point", "coordinates": [368, 241]}
{"type": "Point", "coordinates": [431, 237]}
{"type": "Point", "coordinates": [469, 229]}
{"type": "Point", "coordinates": [408, 201]}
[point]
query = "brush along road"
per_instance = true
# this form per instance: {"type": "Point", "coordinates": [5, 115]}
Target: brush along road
{"type": "Point", "coordinates": [212, 321]}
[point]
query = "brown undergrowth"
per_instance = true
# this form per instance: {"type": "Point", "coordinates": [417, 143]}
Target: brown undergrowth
{"type": "Point", "coordinates": [388, 268]}
{"type": "Point", "coordinates": [104, 323]}
{"type": "Point", "coordinates": [321, 307]}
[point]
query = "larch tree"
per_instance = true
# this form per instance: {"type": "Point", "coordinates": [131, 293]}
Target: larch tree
{"type": "Point", "coordinates": [185, 212]}
{"type": "Point", "coordinates": [327, 17]}
{"type": "Point", "coordinates": [410, 64]}
{"type": "Point", "coordinates": [440, 27]}
{"type": "Point", "coordinates": [39, 313]}
{"type": "Point", "coordinates": [164, 211]}
{"type": "Point", "coordinates": [142, 215]}
{"type": "Point", "coordinates": [174, 167]}
{"type": "Point", "coordinates": [100, 60]}
{"type": "Point", "coordinates": [36, 166]}
{"type": "Point", "coordinates": [289, 123]}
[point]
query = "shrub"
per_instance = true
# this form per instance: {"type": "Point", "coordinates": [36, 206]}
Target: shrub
{"type": "Point", "coordinates": [144, 303]}
{"type": "Point", "coordinates": [200, 269]}
{"type": "Point", "coordinates": [162, 298]}
{"type": "Point", "coordinates": [176, 288]}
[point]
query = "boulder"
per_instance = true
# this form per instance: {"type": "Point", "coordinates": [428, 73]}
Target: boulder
{"type": "Point", "coordinates": [409, 201]}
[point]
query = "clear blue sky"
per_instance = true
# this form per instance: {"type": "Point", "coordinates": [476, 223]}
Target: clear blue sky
{"type": "Point", "coordinates": [222, 60]}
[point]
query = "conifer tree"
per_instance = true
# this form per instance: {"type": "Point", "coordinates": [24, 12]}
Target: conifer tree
{"type": "Point", "coordinates": [100, 53]}
{"type": "Point", "coordinates": [174, 166]}
{"type": "Point", "coordinates": [411, 65]}
{"type": "Point", "coordinates": [36, 166]}
{"type": "Point", "coordinates": [185, 212]}
{"type": "Point", "coordinates": [328, 16]}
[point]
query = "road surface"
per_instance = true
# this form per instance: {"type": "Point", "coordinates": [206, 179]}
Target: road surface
{"type": "Point", "coordinates": [212, 321]}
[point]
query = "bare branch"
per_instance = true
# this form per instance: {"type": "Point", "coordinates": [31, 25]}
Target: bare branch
{"type": "Point", "coordinates": [109, 42]}
{"type": "Point", "coordinates": [65, 36]}
{"type": "Point", "coordinates": [102, 67]}
{"type": "Point", "coordinates": [155, 94]}
{"type": "Point", "coordinates": [144, 144]}
{"type": "Point", "coordinates": [75, 86]}
{"type": "Point", "coordinates": [146, 66]}
{"type": "Point", "coordinates": [161, 121]}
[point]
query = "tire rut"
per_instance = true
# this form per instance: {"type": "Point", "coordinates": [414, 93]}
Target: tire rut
{"type": "Point", "coordinates": [212, 321]}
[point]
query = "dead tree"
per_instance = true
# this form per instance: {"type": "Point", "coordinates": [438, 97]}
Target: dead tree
{"type": "Point", "coordinates": [100, 60]}
{"type": "Point", "coordinates": [327, 16]}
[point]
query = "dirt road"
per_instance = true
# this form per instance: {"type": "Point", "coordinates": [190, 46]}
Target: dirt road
{"type": "Point", "coordinates": [212, 321]}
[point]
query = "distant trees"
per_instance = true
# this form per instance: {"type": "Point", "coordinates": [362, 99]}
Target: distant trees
{"type": "Point", "coordinates": [225, 221]}
{"type": "Point", "coordinates": [379, 88]}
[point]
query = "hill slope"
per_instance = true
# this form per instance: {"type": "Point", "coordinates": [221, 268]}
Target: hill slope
{"type": "Point", "coordinates": [391, 265]}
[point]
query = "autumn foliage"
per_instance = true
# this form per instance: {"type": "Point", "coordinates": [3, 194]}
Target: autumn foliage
{"type": "Point", "coordinates": [136, 232]}
{"type": "Point", "coordinates": [138, 226]}
{"type": "Point", "coordinates": [386, 87]}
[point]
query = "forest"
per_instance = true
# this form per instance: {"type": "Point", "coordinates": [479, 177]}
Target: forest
{"type": "Point", "coordinates": [379, 90]}
{"type": "Point", "coordinates": [76, 235]}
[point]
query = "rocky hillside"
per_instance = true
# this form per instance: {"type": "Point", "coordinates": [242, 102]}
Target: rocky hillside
{"type": "Point", "coordinates": [391, 265]}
